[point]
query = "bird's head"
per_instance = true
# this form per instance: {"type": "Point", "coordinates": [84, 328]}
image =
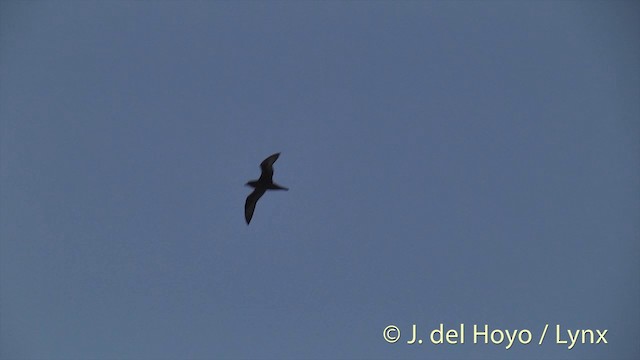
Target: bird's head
{"type": "Point", "coordinates": [251, 183]}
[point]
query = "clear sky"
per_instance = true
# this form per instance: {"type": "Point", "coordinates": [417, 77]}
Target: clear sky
{"type": "Point", "coordinates": [455, 162]}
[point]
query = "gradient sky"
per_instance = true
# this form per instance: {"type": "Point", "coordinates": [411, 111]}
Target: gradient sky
{"type": "Point", "coordinates": [456, 162]}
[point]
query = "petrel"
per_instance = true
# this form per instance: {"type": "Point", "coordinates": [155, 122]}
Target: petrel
{"type": "Point", "coordinates": [261, 186]}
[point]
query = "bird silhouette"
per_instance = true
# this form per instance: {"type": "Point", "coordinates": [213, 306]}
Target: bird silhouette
{"type": "Point", "coordinates": [261, 186]}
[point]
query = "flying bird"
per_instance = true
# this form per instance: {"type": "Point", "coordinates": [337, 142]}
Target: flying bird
{"type": "Point", "coordinates": [261, 186]}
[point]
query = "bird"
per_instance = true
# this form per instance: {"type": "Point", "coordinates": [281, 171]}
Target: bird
{"type": "Point", "coordinates": [264, 183]}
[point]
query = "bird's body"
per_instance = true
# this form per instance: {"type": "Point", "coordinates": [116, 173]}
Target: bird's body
{"type": "Point", "coordinates": [264, 183]}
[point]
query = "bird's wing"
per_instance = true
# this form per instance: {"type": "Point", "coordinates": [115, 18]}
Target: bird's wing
{"type": "Point", "coordinates": [267, 167]}
{"type": "Point", "coordinates": [250, 204]}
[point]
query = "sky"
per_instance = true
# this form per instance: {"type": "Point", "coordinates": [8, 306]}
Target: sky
{"type": "Point", "coordinates": [449, 162]}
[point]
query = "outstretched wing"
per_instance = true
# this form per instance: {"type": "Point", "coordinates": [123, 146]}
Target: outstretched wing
{"type": "Point", "coordinates": [267, 168]}
{"type": "Point", "coordinates": [250, 204]}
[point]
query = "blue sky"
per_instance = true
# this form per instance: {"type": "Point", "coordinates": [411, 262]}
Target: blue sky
{"type": "Point", "coordinates": [449, 162]}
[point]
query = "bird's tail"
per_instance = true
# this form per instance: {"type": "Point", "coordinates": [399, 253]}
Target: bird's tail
{"type": "Point", "coordinates": [278, 187]}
